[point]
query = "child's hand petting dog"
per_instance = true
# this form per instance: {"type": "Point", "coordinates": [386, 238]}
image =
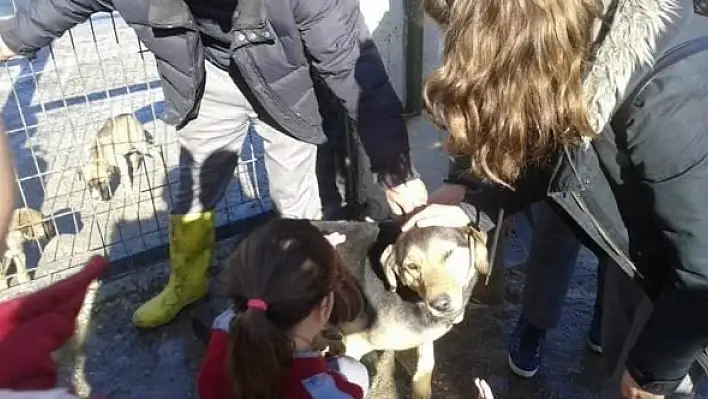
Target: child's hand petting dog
{"type": "Point", "coordinates": [484, 391]}
{"type": "Point", "coordinates": [329, 343]}
{"type": "Point", "coordinates": [336, 238]}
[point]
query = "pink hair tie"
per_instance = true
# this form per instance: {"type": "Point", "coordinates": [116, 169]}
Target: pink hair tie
{"type": "Point", "coordinates": [257, 304]}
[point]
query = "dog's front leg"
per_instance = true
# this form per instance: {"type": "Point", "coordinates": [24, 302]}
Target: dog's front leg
{"type": "Point", "coordinates": [423, 375]}
{"type": "Point", "coordinates": [22, 275]}
{"type": "Point", "coordinates": [125, 166]}
{"type": "Point", "coordinates": [4, 284]}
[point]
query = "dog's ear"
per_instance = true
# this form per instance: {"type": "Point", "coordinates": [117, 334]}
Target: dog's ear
{"type": "Point", "coordinates": [388, 264]}
{"type": "Point", "coordinates": [479, 246]}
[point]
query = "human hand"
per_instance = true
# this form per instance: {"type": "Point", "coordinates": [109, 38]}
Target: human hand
{"type": "Point", "coordinates": [5, 52]}
{"type": "Point", "coordinates": [630, 390]}
{"type": "Point", "coordinates": [438, 215]}
{"type": "Point", "coordinates": [483, 389]}
{"type": "Point", "coordinates": [450, 194]}
{"type": "Point", "coordinates": [406, 197]}
{"type": "Point", "coordinates": [336, 238]}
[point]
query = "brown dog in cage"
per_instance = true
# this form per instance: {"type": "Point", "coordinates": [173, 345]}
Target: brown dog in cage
{"type": "Point", "coordinates": [26, 225]}
{"type": "Point", "coordinates": [118, 151]}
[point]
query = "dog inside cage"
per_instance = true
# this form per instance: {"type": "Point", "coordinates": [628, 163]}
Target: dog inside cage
{"type": "Point", "coordinates": [26, 225]}
{"type": "Point", "coordinates": [119, 149]}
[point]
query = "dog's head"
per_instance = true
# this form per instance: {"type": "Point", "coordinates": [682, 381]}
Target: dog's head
{"type": "Point", "coordinates": [100, 179]}
{"type": "Point", "coordinates": [32, 224]}
{"type": "Point", "coordinates": [440, 264]}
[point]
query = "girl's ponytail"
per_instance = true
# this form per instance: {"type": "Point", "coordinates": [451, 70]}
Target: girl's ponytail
{"type": "Point", "coordinates": [260, 353]}
{"type": "Point", "coordinates": [276, 277]}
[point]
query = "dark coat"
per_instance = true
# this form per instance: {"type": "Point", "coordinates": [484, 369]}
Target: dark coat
{"type": "Point", "coordinates": [639, 191]}
{"type": "Point", "coordinates": [275, 44]}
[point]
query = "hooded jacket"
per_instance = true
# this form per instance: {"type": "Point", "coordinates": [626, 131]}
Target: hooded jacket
{"type": "Point", "coordinates": [638, 190]}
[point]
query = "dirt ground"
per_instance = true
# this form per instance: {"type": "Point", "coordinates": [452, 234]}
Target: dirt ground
{"type": "Point", "coordinates": [124, 363]}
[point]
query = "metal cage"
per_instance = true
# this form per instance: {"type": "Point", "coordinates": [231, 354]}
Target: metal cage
{"type": "Point", "coordinates": [53, 107]}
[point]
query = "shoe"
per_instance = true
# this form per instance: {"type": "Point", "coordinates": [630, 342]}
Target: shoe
{"type": "Point", "coordinates": [595, 334]}
{"type": "Point", "coordinates": [525, 349]}
{"type": "Point", "coordinates": [191, 245]}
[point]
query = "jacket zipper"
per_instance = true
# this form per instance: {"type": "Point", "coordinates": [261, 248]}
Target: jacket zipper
{"type": "Point", "coordinates": [604, 234]}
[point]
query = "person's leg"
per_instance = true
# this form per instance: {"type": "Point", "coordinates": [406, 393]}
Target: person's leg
{"type": "Point", "coordinates": [292, 180]}
{"type": "Point", "coordinates": [549, 269]}
{"type": "Point", "coordinates": [209, 149]}
{"type": "Point", "coordinates": [625, 312]}
{"type": "Point", "coordinates": [352, 369]}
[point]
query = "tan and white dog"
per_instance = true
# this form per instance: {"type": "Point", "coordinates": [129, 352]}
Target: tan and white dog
{"type": "Point", "coordinates": [119, 149]}
{"type": "Point", "coordinates": [415, 286]}
{"type": "Point", "coordinates": [27, 224]}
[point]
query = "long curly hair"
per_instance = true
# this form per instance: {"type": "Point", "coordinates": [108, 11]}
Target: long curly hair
{"type": "Point", "coordinates": [509, 89]}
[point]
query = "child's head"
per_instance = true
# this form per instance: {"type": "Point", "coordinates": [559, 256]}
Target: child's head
{"type": "Point", "coordinates": [285, 281]}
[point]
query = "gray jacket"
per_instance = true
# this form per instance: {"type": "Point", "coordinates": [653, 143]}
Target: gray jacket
{"type": "Point", "coordinates": [276, 43]}
{"type": "Point", "coordinates": [639, 191]}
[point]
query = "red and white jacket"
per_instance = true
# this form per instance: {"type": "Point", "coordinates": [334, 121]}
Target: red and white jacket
{"type": "Point", "coordinates": [310, 378]}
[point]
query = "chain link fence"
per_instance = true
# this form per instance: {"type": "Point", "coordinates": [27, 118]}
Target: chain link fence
{"type": "Point", "coordinates": [53, 108]}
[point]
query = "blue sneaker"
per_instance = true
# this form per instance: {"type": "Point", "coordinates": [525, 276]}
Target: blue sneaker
{"type": "Point", "coordinates": [595, 334]}
{"type": "Point", "coordinates": [525, 348]}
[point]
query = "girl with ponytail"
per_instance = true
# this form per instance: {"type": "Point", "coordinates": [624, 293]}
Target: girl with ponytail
{"type": "Point", "coordinates": [285, 283]}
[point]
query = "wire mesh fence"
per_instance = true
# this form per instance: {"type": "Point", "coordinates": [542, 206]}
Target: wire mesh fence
{"type": "Point", "coordinates": [54, 106]}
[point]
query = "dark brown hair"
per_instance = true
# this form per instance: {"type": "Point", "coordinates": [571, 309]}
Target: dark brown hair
{"type": "Point", "coordinates": [509, 88]}
{"type": "Point", "coordinates": [291, 266]}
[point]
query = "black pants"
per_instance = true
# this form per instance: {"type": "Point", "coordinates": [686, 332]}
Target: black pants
{"type": "Point", "coordinates": [346, 184]}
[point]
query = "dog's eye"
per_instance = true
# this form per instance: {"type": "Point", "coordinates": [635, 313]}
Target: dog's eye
{"type": "Point", "coordinates": [412, 267]}
{"type": "Point", "coordinates": [447, 255]}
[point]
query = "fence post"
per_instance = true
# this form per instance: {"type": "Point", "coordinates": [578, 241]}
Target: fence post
{"type": "Point", "coordinates": [414, 57]}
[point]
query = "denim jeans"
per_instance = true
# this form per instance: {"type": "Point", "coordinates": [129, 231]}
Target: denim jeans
{"type": "Point", "coordinates": [550, 264]}
{"type": "Point", "coordinates": [627, 309]}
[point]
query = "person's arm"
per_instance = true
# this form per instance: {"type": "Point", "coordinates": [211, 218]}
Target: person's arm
{"type": "Point", "coordinates": [345, 56]}
{"type": "Point", "coordinates": [668, 147]}
{"type": "Point", "coordinates": [7, 186]}
{"type": "Point", "coordinates": [482, 202]}
{"type": "Point", "coordinates": [38, 22]}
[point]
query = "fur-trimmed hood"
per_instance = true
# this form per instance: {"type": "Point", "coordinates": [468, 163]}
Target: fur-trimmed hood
{"type": "Point", "coordinates": [633, 35]}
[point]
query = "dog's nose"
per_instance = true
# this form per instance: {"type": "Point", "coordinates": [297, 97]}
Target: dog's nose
{"type": "Point", "coordinates": [441, 303]}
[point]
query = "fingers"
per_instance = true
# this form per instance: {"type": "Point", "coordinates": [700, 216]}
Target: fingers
{"type": "Point", "coordinates": [485, 392]}
{"type": "Point", "coordinates": [407, 197]}
{"type": "Point", "coordinates": [415, 220]}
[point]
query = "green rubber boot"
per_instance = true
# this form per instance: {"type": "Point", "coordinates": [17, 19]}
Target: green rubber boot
{"type": "Point", "coordinates": [191, 247]}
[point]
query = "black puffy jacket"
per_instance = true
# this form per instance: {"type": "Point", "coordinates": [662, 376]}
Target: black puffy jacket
{"type": "Point", "coordinates": [276, 43]}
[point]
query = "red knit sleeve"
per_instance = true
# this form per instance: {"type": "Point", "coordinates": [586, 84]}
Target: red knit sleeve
{"type": "Point", "coordinates": [212, 380]}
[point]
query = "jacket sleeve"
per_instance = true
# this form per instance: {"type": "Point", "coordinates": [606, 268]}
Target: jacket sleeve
{"type": "Point", "coordinates": [39, 22]}
{"type": "Point", "coordinates": [668, 147]}
{"type": "Point", "coordinates": [483, 202]}
{"type": "Point", "coordinates": [343, 53]}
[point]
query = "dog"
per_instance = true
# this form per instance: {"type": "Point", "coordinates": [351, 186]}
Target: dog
{"type": "Point", "coordinates": [26, 225]}
{"type": "Point", "coordinates": [119, 149]}
{"type": "Point", "coordinates": [416, 286]}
